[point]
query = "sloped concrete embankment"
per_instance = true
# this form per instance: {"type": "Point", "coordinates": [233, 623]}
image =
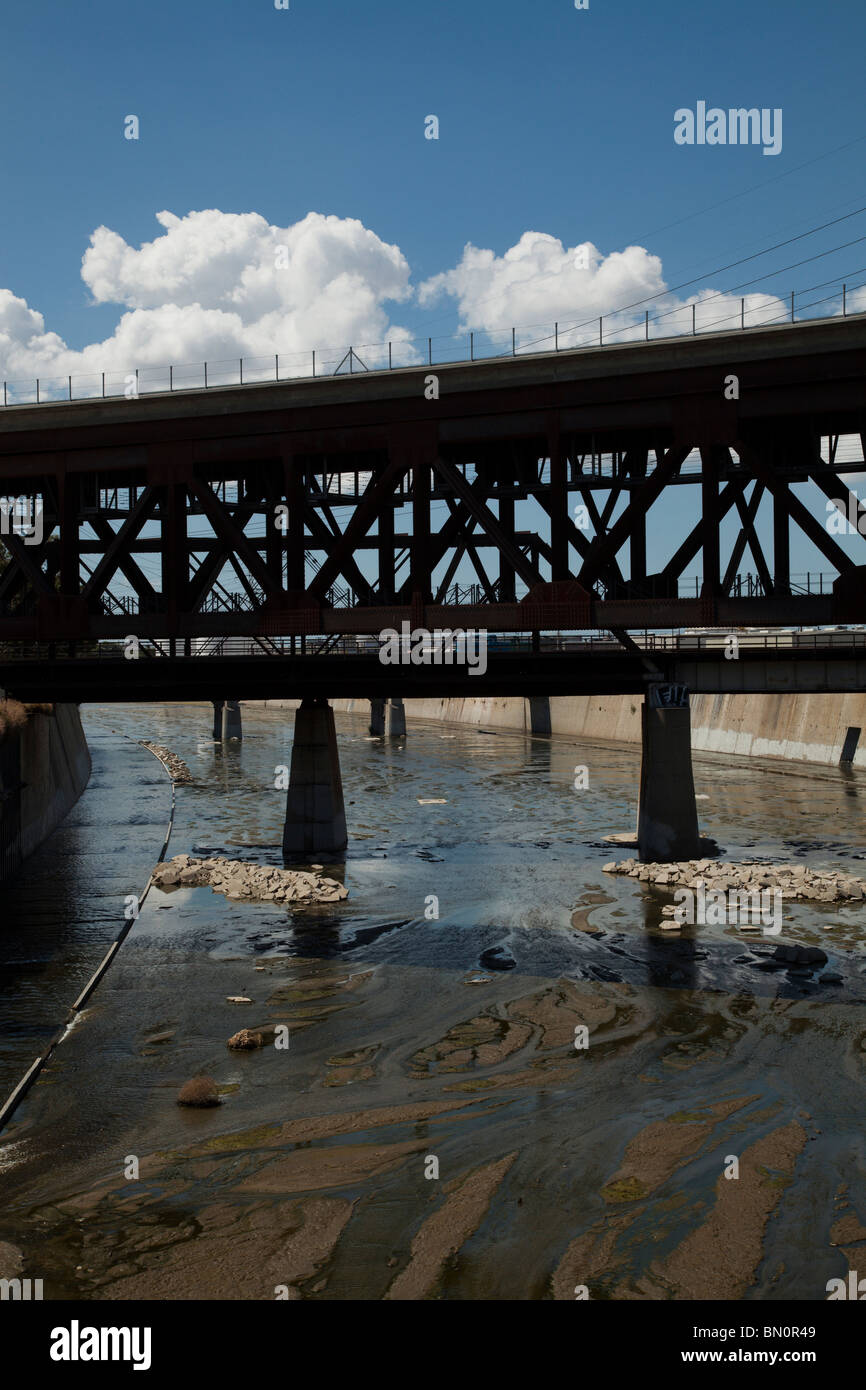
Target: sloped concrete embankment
{"type": "Point", "coordinates": [44, 768]}
{"type": "Point", "coordinates": [812, 728]}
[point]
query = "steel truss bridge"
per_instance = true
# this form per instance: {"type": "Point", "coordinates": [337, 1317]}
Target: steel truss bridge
{"type": "Point", "coordinates": [350, 504]}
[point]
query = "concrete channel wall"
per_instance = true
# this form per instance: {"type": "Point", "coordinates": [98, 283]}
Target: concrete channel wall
{"type": "Point", "coordinates": [44, 768]}
{"type": "Point", "coordinates": [810, 728]}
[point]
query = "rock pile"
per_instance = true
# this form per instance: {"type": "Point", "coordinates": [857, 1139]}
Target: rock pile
{"type": "Point", "coordinates": [248, 882]}
{"type": "Point", "coordinates": [793, 881]}
{"type": "Point", "coordinates": [249, 1038]}
{"type": "Point", "coordinates": [201, 1092]}
{"type": "Point", "coordinates": [175, 766]}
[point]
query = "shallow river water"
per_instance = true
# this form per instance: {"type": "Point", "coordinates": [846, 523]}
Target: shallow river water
{"type": "Point", "coordinates": [431, 1130]}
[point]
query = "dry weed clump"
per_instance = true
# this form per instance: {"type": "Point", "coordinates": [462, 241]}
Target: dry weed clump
{"type": "Point", "coordinates": [13, 717]}
{"type": "Point", "coordinates": [201, 1091]}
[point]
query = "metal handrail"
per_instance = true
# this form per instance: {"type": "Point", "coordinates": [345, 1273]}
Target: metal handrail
{"type": "Point", "coordinates": [324, 644]}
{"type": "Point", "coordinates": [416, 352]}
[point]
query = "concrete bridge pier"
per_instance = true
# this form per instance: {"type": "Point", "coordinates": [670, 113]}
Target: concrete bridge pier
{"type": "Point", "coordinates": [315, 825]}
{"type": "Point", "coordinates": [377, 718]}
{"type": "Point", "coordinates": [226, 720]}
{"type": "Point", "coordinates": [231, 721]}
{"type": "Point", "coordinates": [387, 719]}
{"type": "Point", "coordinates": [539, 716]}
{"type": "Point", "coordinates": [667, 826]}
{"type": "Point", "coordinates": [395, 719]}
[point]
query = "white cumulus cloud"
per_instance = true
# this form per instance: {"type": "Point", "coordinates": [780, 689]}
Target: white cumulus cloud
{"type": "Point", "coordinates": [215, 286]}
{"type": "Point", "coordinates": [540, 282]}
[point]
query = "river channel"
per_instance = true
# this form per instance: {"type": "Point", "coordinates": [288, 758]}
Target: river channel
{"type": "Point", "coordinates": [432, 1128]}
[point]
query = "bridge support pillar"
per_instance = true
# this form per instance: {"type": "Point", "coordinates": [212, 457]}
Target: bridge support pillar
{"type": "Point", "coordinates": [667, 827]}
{"type": "Point", "coordinates": [395, 714]}
{"type": "Point", "coordinates": [217, 720]}
{"type": "Point", "coordinates": [315, 813]}
{"type": "Point", "coordinates": [231, 721]}
{"type": "Point", "coordinates": [539, 716]}
{"type": "Point", "coordinates": [377, 718]}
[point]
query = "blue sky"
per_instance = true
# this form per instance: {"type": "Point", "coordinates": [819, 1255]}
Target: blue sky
{"type": "Point", "coordinates": [552, 120]}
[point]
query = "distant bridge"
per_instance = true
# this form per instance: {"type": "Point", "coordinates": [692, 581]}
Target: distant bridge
{"type": "Point", "coordinates": [350, 668]}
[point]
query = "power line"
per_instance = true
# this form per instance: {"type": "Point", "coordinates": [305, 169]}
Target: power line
{"type": "Point", "coordinates": [700, 213]}
{"type": "Point", "coordinates": [755, 188]}
{"type": "Point", "coordinates": [744, 260]}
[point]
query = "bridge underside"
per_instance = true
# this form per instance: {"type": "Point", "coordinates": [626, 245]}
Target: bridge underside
{"type": "Point", "coordinates": [102, 680]}
{"type": "Point", "coordinates": [353, 504]}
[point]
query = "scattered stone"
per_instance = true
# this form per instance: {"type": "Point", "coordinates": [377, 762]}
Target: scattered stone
{"type": "Point", "coordinates": [497, 958]}
{"type": "Point", "coordinates": [800, 955]}
{"type": "Point", "coordinates": [246, 1040]}
{"type": "Point", "coordinates": [237, 999]}
{"type": "Point", "coordinates": [175, 766]}
{"type": "Point", "coordinates": [253, 882]}
{"type": "Point", "coordinates": [201, 1091]}
{"type": "Point", "coordinates": [830, 978]}
{"type": "Point", "coordinates": [792, 881]}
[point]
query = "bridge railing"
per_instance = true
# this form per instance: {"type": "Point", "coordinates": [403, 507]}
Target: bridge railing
{"type": "Point", "coordinates": [807, 583]}
{"type": "Point", "coordinates": [707, 313]}
{"type": "Point", "coordinates": [327, 646]}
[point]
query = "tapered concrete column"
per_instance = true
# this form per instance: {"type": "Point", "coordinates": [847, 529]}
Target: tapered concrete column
{"type": "Point", "coordinates": [377, 718]}
{"type": "Point", "coordinates": [667, 825]}
{"type": "Point", "coordinates": [217, 720]}
{"type": "Point", "coordinates": [395, 719]}
{"type": "Point", "coordinates": [315, 813]}
{"type": "Point", "coordinates": [539, 716]}
{"type": "Point", "coordinates": [231, 725]}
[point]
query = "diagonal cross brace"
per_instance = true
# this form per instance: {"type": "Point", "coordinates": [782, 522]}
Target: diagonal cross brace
{"type": "Point", "coordinates": [488, 522]}
{"type": "Point", "coordinates": [27, 564]}
{"type": "Point", "coordinates": [120, 544]}
{"type": "Point", "coordinates": [797, 511]}
{"type": "Point", "coordinates": [639, 505]}
{"type": "Point", "coordinates": [375, 493]}
{"type": "Point", "coordinates": [224, 527]}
